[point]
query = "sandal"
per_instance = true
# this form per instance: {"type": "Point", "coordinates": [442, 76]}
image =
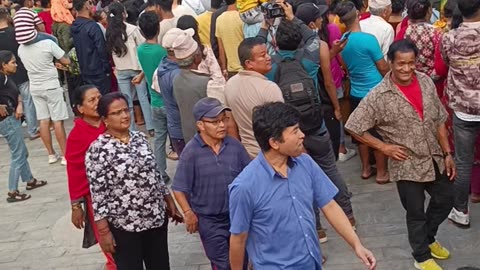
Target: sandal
{"type": "Point", "coordinates": [35, 184]}
{"type": "Point", "coordinates": [16, 196]}
{"type": "Point", "coordinates": [172, 155]}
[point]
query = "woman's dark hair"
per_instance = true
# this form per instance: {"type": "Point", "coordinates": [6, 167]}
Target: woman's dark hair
{"type": "Point", "coordinates": [230, 2]}
{"type": "Point", "coordinates": [418, 9]}
{"type": "Point", "coordinates": [323, 33]}
{"type": "Point", "coordinates": [5, 57]}
{"type": "Point", "coordinates": [187, 21]}
{"type": "Point", "coordinates": [404, 46]}
{"type": "Point", "coordinates": [44, 3]}
{"type": "Point", "coordinates": [469, 8]}
{"type": "Point", "coordinates": [216, 4]}
{"type": "Point", "coordinates": [270, 120]}
{"type": "Point", "coordinates": [106, 3]}
{"type": "Point", "coordinates": [149, 24]}
{"type": "Point", "coordinates": [116, 35]}
{"type": "Point", "coordinates": [398, 6]}
{"type": "Point", "coordinates": [79, 4]}
{"type": "Point", "coordinates": [457, 18]}
{"type": "Point", "coordinates": [449, 8]}
{"type": "Point", "coordinates": [106, 100]}
{"type": "Point", "coordinates": [245, 48]}
{"type": "Point", "coordinates": [288, 36]}
{"type": "Point", "coordinates": [79, 94]}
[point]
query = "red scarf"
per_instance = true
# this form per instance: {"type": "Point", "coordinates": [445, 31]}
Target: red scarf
{"type": "Point", "coordinates": [78, 142]}
{"type": "Point", "coordinates": [403, 30]}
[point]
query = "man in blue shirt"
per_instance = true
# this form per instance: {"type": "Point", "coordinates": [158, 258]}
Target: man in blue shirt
{"type": "Point", "coordinates": [291, 33]}
{"type": "Point", "coordinates": [271, 200]}
{"type": "Point", "coordinates": [208, 164]}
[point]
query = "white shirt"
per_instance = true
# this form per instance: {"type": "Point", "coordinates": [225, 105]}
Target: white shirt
{"type": "Point", "coordinates": [129, 61]}
{"type": "Point", "coordinates": [181, 10]}
{"type": "Point", "coordinates": [195, 5]}
{"type": "Point", "coordinates": [381, 29]}
{"type": "Point", "coordinates": [467, 117]}
{"type": "Point", "coordinates": [166, 25]}
{"type": "Point", "coordinates": [38, 61]}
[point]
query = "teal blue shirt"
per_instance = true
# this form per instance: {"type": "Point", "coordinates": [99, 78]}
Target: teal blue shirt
{"type": "Point", "coordinates": [149, 56]}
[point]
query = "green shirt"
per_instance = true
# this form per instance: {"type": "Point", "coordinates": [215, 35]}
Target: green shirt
{"type": "Point", "coordinates": [149, 56]}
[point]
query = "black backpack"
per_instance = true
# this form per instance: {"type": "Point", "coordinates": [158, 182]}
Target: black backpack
{"type": "Point", "coordinates": [298, 90]}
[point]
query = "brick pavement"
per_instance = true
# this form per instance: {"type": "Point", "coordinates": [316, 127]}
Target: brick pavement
{"type": "Point", "coordinates": [37, 234]}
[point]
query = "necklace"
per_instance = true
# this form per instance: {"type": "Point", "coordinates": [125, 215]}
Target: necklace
{"type": "Point", "coordinates": [123, 139]}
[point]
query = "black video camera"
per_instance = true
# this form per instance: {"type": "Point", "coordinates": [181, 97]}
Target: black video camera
{"type": "Point", "coordinates": [272, 10]}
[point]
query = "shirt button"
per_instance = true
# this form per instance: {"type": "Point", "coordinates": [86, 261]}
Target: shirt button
{"type": "Point", "coordinates": [306, 235]}
{"type": "Point", "coordinates": [311, 253]}
{"type": "Point", "coordinates": [300, 217]}
{"type": "Point", "coordinates": [293, 197]}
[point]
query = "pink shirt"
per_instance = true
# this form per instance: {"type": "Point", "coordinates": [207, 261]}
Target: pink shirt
{"type": "Point", "coordinates": [337, 72]}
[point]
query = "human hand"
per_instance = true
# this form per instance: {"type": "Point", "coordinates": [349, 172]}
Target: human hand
{"type": "Point", "coordinates": [191, 221]}
{"type": "Point", "coordinates": [288, 9]}
{"type": "Point", "coordinates": [78, 218]}
{"type": "Point", "coordinates": [338, 46]}
{"type": "Point", "coordinates": [450, 167]}
{"type": "Point", "coordinates": [338, 114]}
{"type": "Point", "coordinates": [366, 256]}
{"type": "Point", "coordinates": [19, 111]}
{"type": "Point", "coordinates": [3, 111]}
{"type": "Point", "coordinates": [137, 79]}
{"type": "Point", "coordinates": [106, 240]}
{"type": "Point", "coordinates": [396, 152]}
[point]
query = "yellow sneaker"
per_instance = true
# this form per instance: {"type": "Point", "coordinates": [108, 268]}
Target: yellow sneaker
{"type": "Point", "coordinates": [439, 252]}
{"type": "Point", "coordinates": [427, 265]}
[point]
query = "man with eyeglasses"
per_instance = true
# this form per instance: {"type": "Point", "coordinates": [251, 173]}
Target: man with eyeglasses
{"type": "Point", "coordinates": [208, 164]}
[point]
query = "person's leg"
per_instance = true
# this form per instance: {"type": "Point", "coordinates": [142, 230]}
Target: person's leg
{"type": "Point", "coordinates": [363, 151]}
{"type": "Point", "coordinates": [465, 134]}
{"type": "Point", "coordinates": [412, 197]}
{"type": "Point", "coordinates": [320, 149]}
{"type": "Point", "coordinates": [58, 113]}
{"type": "Point", "coordinates": [441, 202]}
{"type": "Point", "coordinates": [29, 109]}
{"type": "Point", "coordinates": [11, 130]}
{"type": "Point", "coordinates": [215, 235]}
{"type": "Point", "coordinates": [110, 265]}
{"type": "Point", "coordinates": [333, 126]}
{"type": "Point", "coordinates": [159, 121]}
{"type": "Point", "coordinates": [155, 248]}
{"type": "Point", "coordinates": [381, 162]}
{"type": "Point", "coordinates": [41, 107]}
{"type": "Point", "coordinates": [128, 249]}
{"type": "Point", "coordinates": [142, 94]}
{"type": "Point", "coordinates": [46, 136]}
{"type": "Point", "coordinates": [124, 79]}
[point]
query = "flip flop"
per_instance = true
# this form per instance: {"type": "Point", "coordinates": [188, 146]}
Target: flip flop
{"type": "Point", "coordinates": [383, 182]}
{"type": "Point", "coordinates": [373, 172]}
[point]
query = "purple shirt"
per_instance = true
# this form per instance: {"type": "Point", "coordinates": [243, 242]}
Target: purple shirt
{"type": "Point", "coordinates": [204, 176]}
{"type": "Point", "coordinates": [337, 72]}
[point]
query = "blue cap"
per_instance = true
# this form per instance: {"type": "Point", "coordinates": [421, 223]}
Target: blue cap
{"type": "Point", "coordinates": [208, 107]}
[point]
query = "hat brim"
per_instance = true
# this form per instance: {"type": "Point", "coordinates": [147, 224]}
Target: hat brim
{"type": "Point", "coordinates": [214, 112]}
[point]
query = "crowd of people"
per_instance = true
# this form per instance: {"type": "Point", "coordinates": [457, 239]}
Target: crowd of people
{"type": "Point", "coordinates": [255, 99]}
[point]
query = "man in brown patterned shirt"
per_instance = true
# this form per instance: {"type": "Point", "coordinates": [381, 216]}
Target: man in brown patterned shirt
{"type": "Point", "coordinates": [405, 109]}
{"type": "Point", "coordinates": [461, 51]}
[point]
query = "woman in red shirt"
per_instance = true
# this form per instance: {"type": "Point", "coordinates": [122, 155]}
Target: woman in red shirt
{"type": "Point", "coordinates": [88, 126]}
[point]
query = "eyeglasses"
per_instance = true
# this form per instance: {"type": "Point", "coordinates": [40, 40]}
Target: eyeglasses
{"type": "Point", "coordinates": [119, 112]}
{"type": "Point", "coordinates": [217, 122]}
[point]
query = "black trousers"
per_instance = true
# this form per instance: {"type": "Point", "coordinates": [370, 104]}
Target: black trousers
{"type": "Point", "coordinates": [102, 82]}
{"type": "Point", "coordinates": [423, 226]}
{"type": "Point", "coordinates": [136, 248]}
{"type": "Point", "coordinates": [333, 126]}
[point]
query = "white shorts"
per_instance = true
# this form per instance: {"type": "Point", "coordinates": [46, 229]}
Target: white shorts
{"type": "Point", "coordinates": [50, 104]}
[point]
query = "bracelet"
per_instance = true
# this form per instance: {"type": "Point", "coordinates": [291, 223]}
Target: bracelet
{"type": "Point", "coordinates": [76, 206]}
{"type": "Point", "coordinates": [186, 211]}
{"type": "Point", "coordinates": [446, 154]}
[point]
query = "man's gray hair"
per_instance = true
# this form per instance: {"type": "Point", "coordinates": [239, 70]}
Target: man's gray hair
{"type": "Point", "coordinates": [377, 11]}
{"type": "Point", "coordinates": [186, 62]}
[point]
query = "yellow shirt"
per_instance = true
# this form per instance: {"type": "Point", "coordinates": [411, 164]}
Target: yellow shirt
{"type": "Point", "coordinates": [230, 30]}
{"type": "Point", "coordinates": [204, 21]}
{"type": "Point", "coordinates": [340, 25]}
{"type": "Point", "coordinates": [244, 5]}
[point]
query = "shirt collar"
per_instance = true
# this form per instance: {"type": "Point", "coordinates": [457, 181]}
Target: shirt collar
{"type": "Point", "coordinates": [251, 73]}
{"type": "Point", "coordinates": [202, 143]}
{"type": "Point", "coordinates": [271, 172]}
{"type": "Point", "coordinates": [387, 85]}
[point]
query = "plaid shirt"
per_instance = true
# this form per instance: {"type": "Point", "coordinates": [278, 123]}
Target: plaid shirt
{"type": "Point", "coordinates": [387, 110]}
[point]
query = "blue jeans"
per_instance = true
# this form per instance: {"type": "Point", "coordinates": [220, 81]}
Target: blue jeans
{"type": "Point", "coordinates": [43, 36]}
{"type": "Point", "coordinates": [28, 108]}
{"type": "Point", "coordinates": [159, 121]}
{"type": "Point", "coordinates": [124, 78]}
{"type": "Point", "coordinates": [11, 129]}
{"type": "Point", "coordinates": [465, 134]}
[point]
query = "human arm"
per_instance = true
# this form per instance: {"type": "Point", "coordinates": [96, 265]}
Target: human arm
{"type": "Point", "coordinates": [339, 221]}
{"type": "Point", "coordinates": [182, 186]}
{"type": "Point", "coordinates": [191, 220]}
{"type": "Point", "coordinates": [443, 141]}
{"type": "Point", "coordinates": [327, 78]}
{"type": "Point", "coordinates": [222, 58]}
{"type": "Point", "coordinates": [39, 25]}
{"type": "Point", "coordinates": [375, 53]}
{"type": "Point", "coordinates": [232, 127]}
{"type": "Point", "coordinates": [138, 78]}
{"type": "Point", "coordinates": [237, 250]}
{"type": "Point", "coordinates": [98, 39]}
{"type": "Point", "coordinates": [19, 109]}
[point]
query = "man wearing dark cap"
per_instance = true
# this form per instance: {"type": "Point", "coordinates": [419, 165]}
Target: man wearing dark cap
{"type": "Point", "coordinates": [208, 164]}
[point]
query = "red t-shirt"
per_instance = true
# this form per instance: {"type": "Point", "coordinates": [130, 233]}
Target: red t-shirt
{"type": "Point", "coordinates": [413, 93]}
{"type": "Point", "coordinates": [46, 17]}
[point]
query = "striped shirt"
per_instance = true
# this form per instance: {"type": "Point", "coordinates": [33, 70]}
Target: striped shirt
{"type": "Point", "coordinates": [25, 21]}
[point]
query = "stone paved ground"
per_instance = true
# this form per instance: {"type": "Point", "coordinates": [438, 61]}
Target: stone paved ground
{"type": "Point", "coordinates": [37, 234]}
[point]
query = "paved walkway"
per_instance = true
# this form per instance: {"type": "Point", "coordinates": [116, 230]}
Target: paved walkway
{"type": "Point", "coordinates": [37, 234]}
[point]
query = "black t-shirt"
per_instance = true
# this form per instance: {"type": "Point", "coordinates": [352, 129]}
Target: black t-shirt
{"type": "Point", "coordinates": [9, 43]}
{"type": "Point", "coordinates": [8, 93]}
